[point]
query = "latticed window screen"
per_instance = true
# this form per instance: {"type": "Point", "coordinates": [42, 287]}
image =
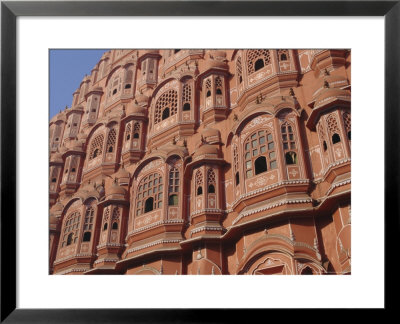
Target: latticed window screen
{"type": "Point", "coordinates": [332, 124]}
{"type": "Point", "coordinates": [239, 69]}
{"type": "Point", "coordinates": [208, 87]}
{"type": "Point", "coordinates": [236, 164]}
{"type": "Point", "coordinates": [211, 180]}
{"type": "Point", "coordinates": [173, 187]}
{"type": "Point", "coordinates": [88, 225]}
{"type": "Point", "coordinates": [106, 217]}
{"type": "Point", "coordinates": [169, 100]}
{"type": "Point", "coordinates": [187, 94]}
{"type": "Point", "coordinates": [129, 76]}
{"type": "Point", "coordinates": [283, 55]}
{"type": "Point", "coordinates": [254, 55]}
{"type": "Point", "coordinates": [128, 132]}
{"type": "Point", "coordinates": [136, 130]}
{"type": "Point", "coordinates": [347, 124]}
{"type": "Point", "coordinates": [218, 85]}
{"type": "Point", "coordinates": [71, 228]}
{"type": "Point", "coordinates": [288, 140]}
{"type": "Point", "coordinates": [151, 186]}
{"type": "Point", "coordinates": [115, 218]}
{"type": "Point", "coordinates": [321, 133]}
{"type": "Point", "coordinates": [259, 144]}
{"type": "Point", "coordinates": [97, 146]}
{"type": "Point", "coordinates": [199, 182]}
{"type": "Point", "coordinates": [289, 143]}
{"type": "Point", "coordinates": [112, 137]}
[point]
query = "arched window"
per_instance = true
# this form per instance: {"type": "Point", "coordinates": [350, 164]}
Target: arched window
{"type": "Point", "coordinates": [199, 183]}
{"type": "Point", "coordinates": [291, 158]}
{"type": "Point", "coordinates": [186, 107]}
{"type": "Point", "coordinates": [87, 236]}
{"type": "Point", "coordinates": [168, 99]}
{"type": "Point", "coordinates": [258, 144]}
{"type": "Point", "coordinates": [173, 187]}
{"type": "Point", "coordinates": [115, 226]}
{"type": "Point", "coordinates": [208, 93]}
{"type": "Point", "coordinates": [237, 178]}
{"type": "Point", "coordinates": [105, 226]}
{"type": "Point", "coordinates": [259, 64]}
{"type": "Point", "coordinates": [257, 59]}
{"type": "Point", "coordinates": [69, 239]}
{"type": "Point", "coordinates": [211, 181]}
{"type": "Point", "coordinates": [283, 55]}
{"type": "Point", "coordinates": [307, 271]}
{"type": "Point", "coordinates": [165, 113]}
{"type": "Point", "coordinates": [260, 165]}
{"type": "Point", "coordinates": [325, 146]}
{"type": "Point", "coordinates": [149, 204]}
{"type": "Point", "coordinates": [173, 200]}
{"type": "Point", "coordinates": [335, 138]}
{"type": "Point", "coordinates": [236, 164]}
{"type": "Point", "coordinates": [96, 146]}
{"type": "Point", "coordinates": [114, 91]}
{"type": "Point", "coordinates": [54, 180]}
{"type": "Point", "coordinates": [150, 186]}
{"type": "Point", "coordinates": [112, 137]}
{"type": "Point", "coordinates": [128, 79]}
{"type": "Point", "coordinates": [71, 228]}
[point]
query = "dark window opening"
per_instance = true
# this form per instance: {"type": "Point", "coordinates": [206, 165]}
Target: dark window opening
{"type": "Point", "coordinates": [87, 236]}
{"type": "Point", "coordinates": [291, 158]}
{"type": "Point", "coordinates": [325, 146]}
{"type": "Point", "coordinates": [96, 153]}
{"type": "Point", "coordinates": [260, 165]}
{"type": "Point", "coordinates": [237, 178]}
{"type": "Point", "coordinates": [259, 64]}
{"type": "Point", "coordinates": [110, 149]}
{"type": "Point", "coordinates": [165, 114]}
{"type": "Point", "coordinates": [283, 57]}
{"type": "Point", "coordinates": [149, 205]}
{"type": "Point", "coordinates": [219, 92]}
{"type": "Point", "coordinates": [105, 226]}
{"type": "Point", "coordinates": [128, 137]}
{"type": "Point", "coordinates": [136, 135]}
{"type": "Point", "coordinates": [208, 93]}
{"type": "Point", "coordinates": [114, 91]}
{"type": "Point", "coordinates": [53, 180]}
{"type": "Point", "coordinates": [240, 79]}
{"type": "Point", "coordinates": [56, 139]}
{"type": "Point", "coordinates": [115, 226]}
{"type": "Point", "coordinates": [173, 200]}
{"type": "Point", "coordinates": [335, 138]}
{"type": "Point", "coordinates": [186, 106]}
{"type": "Point", "coordinates": [66, 170]}
{"type": "Point", "coordinates": [69, 239]}
{"type": "Point", "coordinates": [211, 189]}
{"type": "Point", "coordinates": [349, 135]}
{"type": "Point", "coordinates": [127, 86]}
{"type": "Point", "coordinates": [93, 110]}
{"type": "Point", "coordinates": [199, 191]}
{"type": "Point", "coordinates": [307, 271]}
{"type": "Point", "coordinates": [73, 170]}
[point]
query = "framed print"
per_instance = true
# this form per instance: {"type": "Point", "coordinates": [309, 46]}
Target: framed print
{"type": "Point", "coordinates": [215, 121]}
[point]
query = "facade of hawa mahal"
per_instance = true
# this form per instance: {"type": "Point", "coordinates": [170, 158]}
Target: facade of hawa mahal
{"type": "Point", "coordinates": [199, 161]}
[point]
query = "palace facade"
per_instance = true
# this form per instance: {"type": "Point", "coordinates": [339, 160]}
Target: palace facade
{"type": "Point", "coordinates": [192, 161]}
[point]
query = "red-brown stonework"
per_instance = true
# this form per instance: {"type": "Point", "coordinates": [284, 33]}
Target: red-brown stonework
{"type": "Point", "coordinates": [204, 162]}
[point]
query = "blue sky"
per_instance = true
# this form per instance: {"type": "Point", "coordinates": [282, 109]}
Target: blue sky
{"type": "Point", "coordinates": [67, 69]}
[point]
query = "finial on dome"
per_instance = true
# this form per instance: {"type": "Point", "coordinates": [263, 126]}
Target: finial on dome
{"type": "Point", "coordinates": [326, 72]}
{"type": "Point", "coordinates": [326, 84]}
{"type": "Point", "coordinates": [291, 92]}
{"type": "Point", "coordinates": [235, 117]}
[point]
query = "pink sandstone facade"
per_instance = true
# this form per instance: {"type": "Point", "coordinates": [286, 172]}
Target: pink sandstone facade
{"type": "Point", "coordinates": [199, 161]}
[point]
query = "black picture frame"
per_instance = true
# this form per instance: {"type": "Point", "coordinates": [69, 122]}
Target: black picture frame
{"type": "Point", "coordinates": [10, 10]}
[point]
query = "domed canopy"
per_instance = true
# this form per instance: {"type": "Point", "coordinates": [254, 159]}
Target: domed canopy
{"type": "Point", "coordinates": [142, 99]}
{"type": "Point", "coordinates": [116, 191]}
{"type": "Point", "coordinates": [206, 150]}
{"type": "Point", "coordinates": [330, 94]}
{"type": "Point", "coordinates": [135, 109]}
{"type": "Point", "coordinates": [122, 173]}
